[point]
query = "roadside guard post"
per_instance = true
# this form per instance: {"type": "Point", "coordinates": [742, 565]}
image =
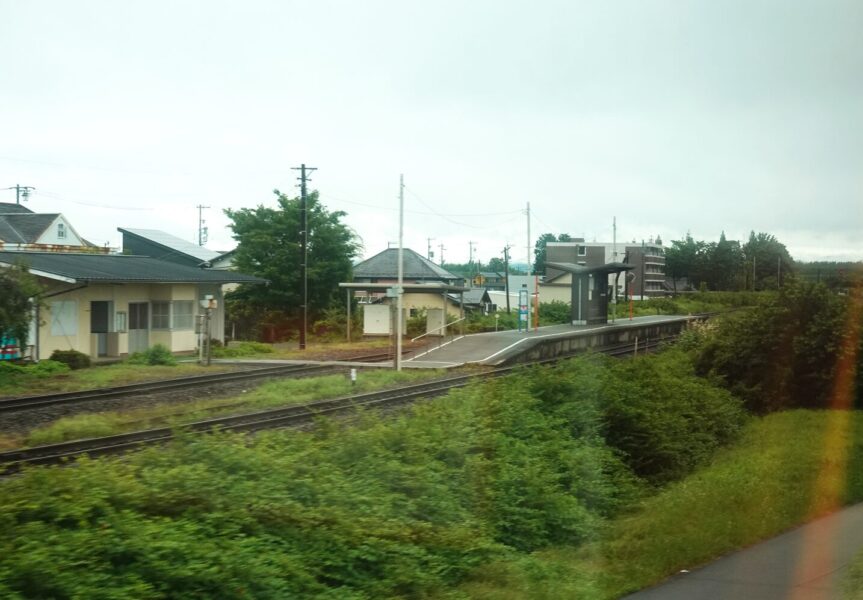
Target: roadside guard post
{"type": "Point", "coordinates": [523, 309]}
{"type": "Point", "coordinates": [353, 377]}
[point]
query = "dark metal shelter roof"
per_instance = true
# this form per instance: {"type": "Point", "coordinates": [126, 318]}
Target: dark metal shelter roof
{"type": "Point", "coordinates": [117, 268]}
{"type": "Point", "coordinates": [607, 268]}
{"type": "Point", "coordinates": [385, 265]}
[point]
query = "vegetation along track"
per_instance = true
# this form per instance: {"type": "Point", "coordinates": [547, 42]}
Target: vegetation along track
{"type": "Point", "coordinates": [11, 461]}
{"type": "Point", "coordinates": [34, 402]}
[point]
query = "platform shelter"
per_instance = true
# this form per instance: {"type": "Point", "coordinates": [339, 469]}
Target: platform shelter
{"type": "Point", "coordinates": [591, 290]}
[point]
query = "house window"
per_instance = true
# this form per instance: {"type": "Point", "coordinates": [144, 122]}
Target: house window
{"type": "Point", "coordinates": [161, 318]}
{"type": "Point", "coordinates": [120, 322]}
{"type": "Point", "coordinates": [64, 317]}
{"type": "Point", "coordinates": [582, 250]}
{"type": "Point", "coordinates": [61, 231]}
{"type": "Point", "coordinates": [184, 314]}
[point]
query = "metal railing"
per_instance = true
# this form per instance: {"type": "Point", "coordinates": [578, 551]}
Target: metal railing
{"type": "Point", "coordinates": [443, 336]}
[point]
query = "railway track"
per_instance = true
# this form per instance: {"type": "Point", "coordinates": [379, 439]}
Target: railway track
{"type": "Point", "coordinates": [11, 461]}
{"type": "Point", "coordinates": [34, 402]}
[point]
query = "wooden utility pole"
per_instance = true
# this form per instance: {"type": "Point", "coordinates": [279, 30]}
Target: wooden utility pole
{"type": "Point", "coordinates": [304, 251]}
{"type": "Point", "coordinates": [506, 275]}
{"type": "Point", "coordinates": [202, 231]}
{"type": "Point", "coordinates": [401, 270]}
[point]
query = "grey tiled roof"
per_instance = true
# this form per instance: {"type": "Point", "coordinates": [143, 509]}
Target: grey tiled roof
{"type": "Point", "coordinates": [10, 208]}
{"type": "Point", "coordinates": [384, 265]}
{"type": "Point", "coordinates": [24, 228]}
{"type": "Point", "coordinates": [120, 268]}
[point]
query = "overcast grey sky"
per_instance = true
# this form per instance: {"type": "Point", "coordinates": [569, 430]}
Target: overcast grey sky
{"type": "Point", "coordinates": [672, 115]}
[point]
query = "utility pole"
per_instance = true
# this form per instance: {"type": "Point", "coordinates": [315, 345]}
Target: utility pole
{"type": "Point", "coordinates": [506, 274]}
{"type": "Point", "coordinates": [429, 253]}
{"type": "Point", "coordinates": [304, 250]}
{"type": "Point", "coordinates": [471, 246]}
{"type": "Point", "coordinates": [529, 262]}
{"type": "Point", "coordinates": [202, 231]}
{"type": "Point", "coordinates": [441, 248]}
{"type": "Point", "coordinates": [22, 192]}
{"type": "Point", "coordinates": [753, 272]}
{"type": "Point", "coordinates": [778, 271]}
{"type": "Point", "coordinates": [643, 274]}
{"type": "Point", "coordinates": [401, 273]}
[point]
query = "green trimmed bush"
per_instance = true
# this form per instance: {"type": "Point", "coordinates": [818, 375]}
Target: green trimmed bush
{"type": "Point", "coordinates": [154, 355]}
{"type": "Point", "coordinates": [72, 358]}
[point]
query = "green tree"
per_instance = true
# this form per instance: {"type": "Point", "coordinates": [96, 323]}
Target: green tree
{"type": "Point", "coordinates": [684, 259]}
{"type": "Point", "coordinates": [540, 252]}
{"type": "Point", "coordinates": [16, 301]}
{"type": "Point", "coordinates": [269, 247]}
{"type": "Point", "coordinates": [496, 265]}
{"type": "Point", "coordinates": [723, 264]}
{"type": "Point", "coordinates": [767, 261]}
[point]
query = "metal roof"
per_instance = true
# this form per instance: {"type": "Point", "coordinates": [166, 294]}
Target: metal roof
{"type": "Point", "coordinates": [385, 265]}
{"type": "Point", "coordinates": [612, 267]}
{"type": "Point", "coordinates": [117, 268]}
{"type": "Point", "coordinates": [173, 243]}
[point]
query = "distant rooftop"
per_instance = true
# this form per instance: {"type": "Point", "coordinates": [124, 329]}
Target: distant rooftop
{"type": "Point", "coordinates": [24, 227]}
{"type": "Point", "coordinates": [172, 244]}
{"type": "Point", "coordinates": [384, 265]}
{"type": "Point", "coordinates": [12, 208]}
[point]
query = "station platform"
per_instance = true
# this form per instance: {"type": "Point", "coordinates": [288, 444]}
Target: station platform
{"type": "Point", "coordinates": [501, 347]}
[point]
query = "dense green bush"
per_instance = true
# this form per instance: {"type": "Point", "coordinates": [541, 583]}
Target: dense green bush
{"type": "Point", "coordinates": [72, 358]}
{"type": "Point", "coordinates": [154, 355]}
{"type": "Point", "coordinates": [402, 507]}
{"type": "Point", "coordinates": [552, 313]}
{"type": "Point", "coordinates": [237, 349]}
{"type": "Point", "coordinates": [664, 419]}
{"type": "Point", "coordinates": [784, 352]}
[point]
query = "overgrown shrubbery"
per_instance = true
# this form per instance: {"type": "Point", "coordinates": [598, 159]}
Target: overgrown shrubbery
{"type": "Point", "coordinates": [42, 369]}
{"type": "Point", "coordinates": [237, 349]}
{"type": "Point", "coordinates": [72, 358]}
{"type": "Point", "coordinates": [784, 353]}
{"type": "Point", "coordinates": [154, 355]}
{"type": "Point", "coordinates": [399, 508]}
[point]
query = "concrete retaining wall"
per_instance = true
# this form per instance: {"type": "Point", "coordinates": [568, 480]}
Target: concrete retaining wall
{"type": "Point", "coordinates": [565, 345]}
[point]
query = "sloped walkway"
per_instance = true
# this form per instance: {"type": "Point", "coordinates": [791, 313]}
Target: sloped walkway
{"type": "Point", "coordinates": [495, 347]}
{"type": "Point", "coordinates": [807, 563]}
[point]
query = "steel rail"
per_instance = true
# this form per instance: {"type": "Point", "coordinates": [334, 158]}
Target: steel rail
{"type": "Point", "coordinates": [60, 398]}
{"type": "Point", "coordinates": [267, 419]}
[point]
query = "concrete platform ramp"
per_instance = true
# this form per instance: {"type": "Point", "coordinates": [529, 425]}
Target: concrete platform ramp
{"type": "Point", "coordinates": [505, 347]}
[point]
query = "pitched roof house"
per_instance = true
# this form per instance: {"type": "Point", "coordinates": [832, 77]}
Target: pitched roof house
{"type": "Point", "coordinates": [115, 304]}
{"type": "Point", "coordinates": [22, 229]}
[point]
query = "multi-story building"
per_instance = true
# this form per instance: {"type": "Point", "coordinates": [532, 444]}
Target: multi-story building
{"type": "Point", "coordinates": [645, 280]}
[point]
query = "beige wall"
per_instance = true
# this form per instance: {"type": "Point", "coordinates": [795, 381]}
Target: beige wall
{"type": "Point", "coordinates": [420, 301]}
{"type": "Point", "coordinates": [560, 290]}
{"type": "Point", "coordinates": [80, 338]}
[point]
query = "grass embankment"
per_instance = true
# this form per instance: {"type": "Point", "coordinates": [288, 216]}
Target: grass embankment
{"type": "Point", "coordinates": [407, 506]}
{"type": "Point", "coordinates": [782, 472]}
{"type": "Point", "coordinates": [268, 395]}
{"type": "Point", "coordinates": [25, 384]}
